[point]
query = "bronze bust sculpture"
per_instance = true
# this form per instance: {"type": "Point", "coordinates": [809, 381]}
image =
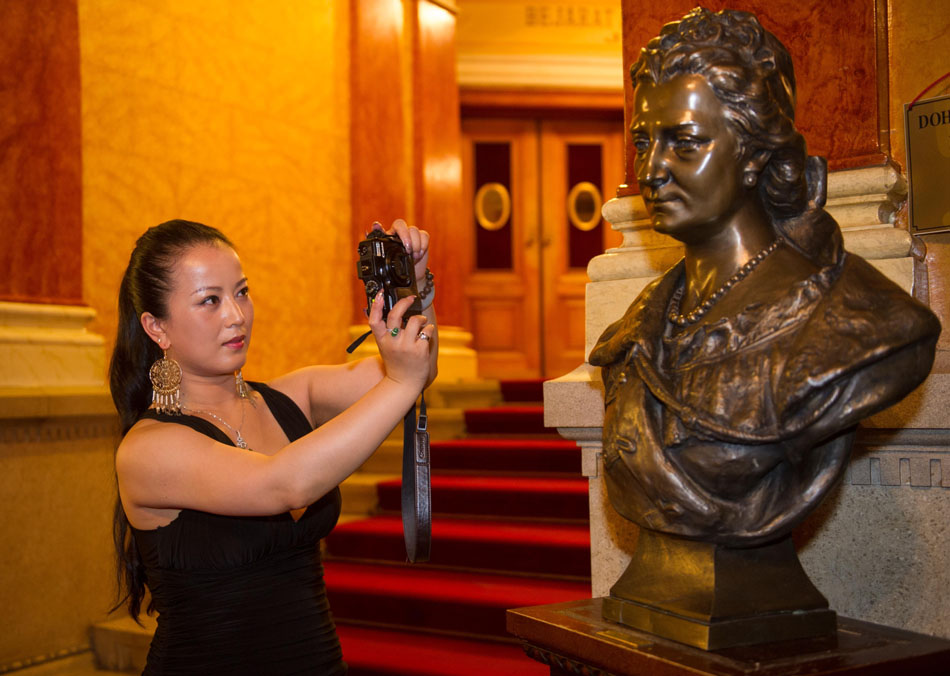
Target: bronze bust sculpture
{"type": "Point", "coordinates": [733, 383]}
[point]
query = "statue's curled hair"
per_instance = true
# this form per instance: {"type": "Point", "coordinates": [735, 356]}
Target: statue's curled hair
{"type": "Point", "coordinates": [751, 74]}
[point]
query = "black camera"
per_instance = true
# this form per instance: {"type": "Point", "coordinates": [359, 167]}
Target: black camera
{"type": "Point", "coordinates": [385, 266]}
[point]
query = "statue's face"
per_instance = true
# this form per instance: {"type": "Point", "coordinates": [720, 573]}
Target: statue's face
{"type": "Point", "coordinates": [687, 163]}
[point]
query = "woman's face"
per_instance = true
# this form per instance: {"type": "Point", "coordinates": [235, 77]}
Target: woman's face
{"type": "Point", "coordinates": [210, 314]}
{"type": "Point", "coordinates": [687, 162]}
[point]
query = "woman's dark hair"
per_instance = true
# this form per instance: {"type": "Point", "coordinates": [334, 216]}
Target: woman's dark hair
{"type": "Point", "coordinates": [145, 288]}
{"type": "Point", "coordinates": [751, 74]}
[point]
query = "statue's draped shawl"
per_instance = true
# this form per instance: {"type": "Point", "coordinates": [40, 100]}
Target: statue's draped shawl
{"type": "Point", "coordinates": [733, 431]}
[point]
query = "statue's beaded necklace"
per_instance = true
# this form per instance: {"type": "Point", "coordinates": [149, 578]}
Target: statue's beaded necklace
{"type": "Point", "coordinates": [700, 310]}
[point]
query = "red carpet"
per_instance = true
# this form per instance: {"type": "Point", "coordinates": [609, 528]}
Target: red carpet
{"type": "Point", "coordinates": [523, 497]}
{"type": "Point", "coordinates": [537, 456]}
{"type": "Point", "coordinates": [380, 652]}
{"type": "Point", "coordinates": [507, 420]}
{"type": "Point", "coordinates": [522, 390]}
{"type": "Point", "coordinates": [510, 529]}
{"type": "Point", "coordinates": [421, 597]}
{"type": "Point", "coordinates": [555, 548]}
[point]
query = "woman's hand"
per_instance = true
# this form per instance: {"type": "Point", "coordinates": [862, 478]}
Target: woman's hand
{"type": "Point", "coordinates": [416, 242]}
{"type": "Point", "coordinates": [404, 351]}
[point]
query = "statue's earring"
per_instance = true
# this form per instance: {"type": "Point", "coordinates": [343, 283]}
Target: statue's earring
{"type": "Point", "coordinates": [165, 375]}
{"type": "Point", "coordinates": [240, 386]}
{"type": "Point", "coordinates": [749, 179]}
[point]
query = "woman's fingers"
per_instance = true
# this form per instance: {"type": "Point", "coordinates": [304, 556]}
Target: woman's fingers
{"type": "Point", "coordinates": [415, 241]}
{"type": "Point", "coordinates": [376, 323]}
{"type": "Point", "coordinates": [415, 324]}
{"type": "Point", "coordinates": [401, 229]}
{"type": "Point", "coordinates": [398, 311]}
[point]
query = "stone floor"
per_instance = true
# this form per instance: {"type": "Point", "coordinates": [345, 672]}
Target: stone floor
{"type": "Point", "coordinates": [78, 665]}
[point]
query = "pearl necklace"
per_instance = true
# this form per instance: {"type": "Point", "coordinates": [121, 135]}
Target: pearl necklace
{"type": "Point", "coordinates": [239, 440]}
{"type": "Point", "coordinates": [699, 311]}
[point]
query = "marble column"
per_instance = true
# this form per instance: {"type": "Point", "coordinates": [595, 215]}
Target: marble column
{"type": "Point", "coordinates": [57, 423]}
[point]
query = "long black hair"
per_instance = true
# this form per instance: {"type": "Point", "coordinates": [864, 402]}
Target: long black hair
{"type": "Point", "coordinates": [145, 288]}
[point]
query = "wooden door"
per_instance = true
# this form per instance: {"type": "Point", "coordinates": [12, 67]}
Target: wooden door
{"type": "Point", "coordinates": [535, 188]}
{"type": "Point", "coordinates": [582, 165]}
{"type": "Point", "coordinates": [500, 179]}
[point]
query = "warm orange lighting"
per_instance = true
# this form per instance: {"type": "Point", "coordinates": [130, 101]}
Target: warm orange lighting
{"type": "Point", "coordinates": [445, 170]}
{"type": "Point", "coordinates": [433, 16]}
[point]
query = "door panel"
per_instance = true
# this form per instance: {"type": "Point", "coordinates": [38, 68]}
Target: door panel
{"type": "Point", "coordinates": [536, 188]}
{"type": "Point", "coordinates": [501, 291]}
{"type": "Point", "coordinates": [583, 161]}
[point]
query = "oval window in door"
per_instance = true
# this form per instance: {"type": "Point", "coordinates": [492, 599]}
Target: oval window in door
{"type": "Point", "coordinates": [583, 206]}
{"type": "Point", "coordinates": [492, 206]}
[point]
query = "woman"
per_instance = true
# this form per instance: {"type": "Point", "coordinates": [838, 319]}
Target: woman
{"type": "Point", "coordinates": [226, 486]}
{"type": "Point", "coordinates": [731, 378]}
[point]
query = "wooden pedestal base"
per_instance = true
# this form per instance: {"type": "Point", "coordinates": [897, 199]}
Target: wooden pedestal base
{"type": "Point", "coordinates": [573, 638]}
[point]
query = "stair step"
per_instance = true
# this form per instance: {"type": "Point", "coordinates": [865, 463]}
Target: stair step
{"type": "Point", "coordinates": [517, 497]}
{"type": "Point", "coordinates": [121, 644]}
{"type": "Point", "coordinates": [360, 493]}
{"type": "Point", "coordinates": [377, 652]}
{"type": "Point", "coordinates": [507, 455]}
{"type": "Point", "coordinates": [507, 546]}
{"type": "Point", "coordinates": [508, 420]}
{"type": "Point", "coordinates": [522, 390]}
{"type": "Point", "coordinates": [425, 598]}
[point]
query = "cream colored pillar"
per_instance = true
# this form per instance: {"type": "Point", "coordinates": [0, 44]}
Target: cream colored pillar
{"type": "Point", "coordinates": [57, 437]}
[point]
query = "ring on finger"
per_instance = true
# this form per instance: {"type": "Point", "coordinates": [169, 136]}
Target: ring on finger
{"type": "Point", "coordinates": [394, 331]}
{"type": "Point", "coordinates": [422, 336]}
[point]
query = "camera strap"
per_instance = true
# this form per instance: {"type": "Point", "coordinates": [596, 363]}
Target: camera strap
{"type": "Point", "coordinates": [416, 486]}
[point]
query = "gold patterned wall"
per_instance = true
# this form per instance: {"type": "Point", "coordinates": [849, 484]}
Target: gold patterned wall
{"type": "Point", "coordinates": [233, 113]}
{"type": "Point", "coordinates": [917, 35]}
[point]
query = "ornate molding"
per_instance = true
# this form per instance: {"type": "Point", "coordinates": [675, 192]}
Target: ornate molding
{"type": "Point", "coordinates": [531, 70]}
{"type": "Point", "coordinates": [919, 458]}
{"type": "Point", "coordinates": [565, 664]}
{"type": "Point", "coordinates": [49, 346]}
{"type": "Point", "coordinates": [32, 431]}
{"type": "Point", "coordinates": [39, 660]}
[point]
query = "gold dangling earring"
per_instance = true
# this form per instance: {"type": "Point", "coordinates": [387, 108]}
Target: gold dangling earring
{"type": "Point", "coordinates": [240, 385]}
{"type": "Point", "coordinates": [165, 375]}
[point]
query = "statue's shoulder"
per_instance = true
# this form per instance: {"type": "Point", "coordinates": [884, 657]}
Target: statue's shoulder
{"type": "Point", "coordinates": [642, 322]}
{"type": "Point", "coordinates": [862, 320]}
{"type": "Point", "coordinates": [863, 302]}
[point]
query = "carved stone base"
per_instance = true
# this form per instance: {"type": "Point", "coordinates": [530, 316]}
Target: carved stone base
{"type": "Point", "coordinates": [714, 597]}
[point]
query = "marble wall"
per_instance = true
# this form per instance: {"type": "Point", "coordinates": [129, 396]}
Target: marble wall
{"type": "Point", "coordinates": [234, 113]}
{"type": "Point", "coordinates": [40, 196]}
{"type": "Point", "coordinates": [57, 483]}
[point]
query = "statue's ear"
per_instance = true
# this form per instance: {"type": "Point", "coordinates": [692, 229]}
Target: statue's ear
{"type": "Point", "coordinates": [757, 162]}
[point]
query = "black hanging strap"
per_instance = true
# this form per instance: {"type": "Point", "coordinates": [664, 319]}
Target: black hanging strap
{"type": "Point", "coordinates": [416, 487]}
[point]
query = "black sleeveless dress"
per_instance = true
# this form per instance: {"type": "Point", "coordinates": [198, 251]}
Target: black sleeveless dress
{"type": "Point", "coordinates": [242, 595]}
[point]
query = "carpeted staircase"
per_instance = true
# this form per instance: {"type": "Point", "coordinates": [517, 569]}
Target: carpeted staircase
{"type": "Point", "coordinates": [510, 529]}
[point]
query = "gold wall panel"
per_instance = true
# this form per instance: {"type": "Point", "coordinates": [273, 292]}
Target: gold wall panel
{"type": "Point", "coordinates": [234, 113]}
